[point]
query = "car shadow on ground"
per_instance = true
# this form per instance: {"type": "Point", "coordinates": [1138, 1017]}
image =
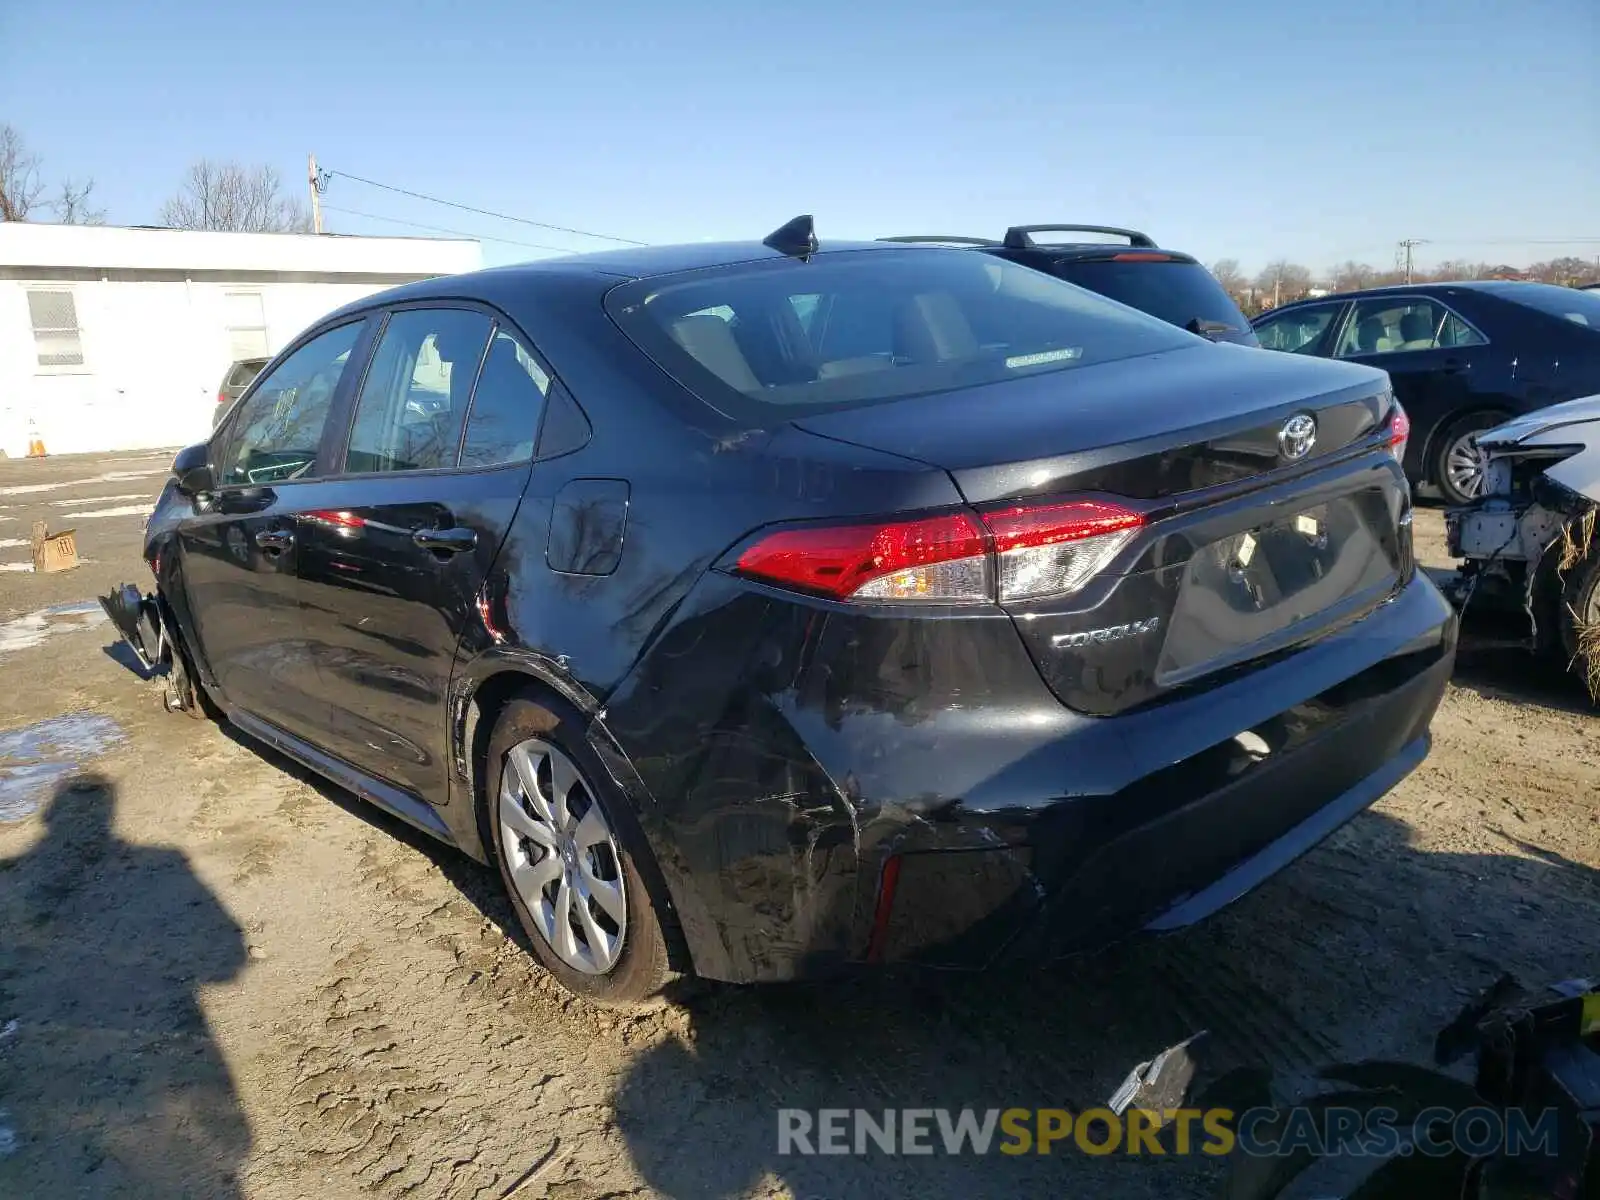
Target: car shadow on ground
{"type": "Point", "coordinates": [110, 1080]}
{"type": "Point", "coordinates": [1497, 671]}
{"type": "Point", "coordinates": [1363, 949]}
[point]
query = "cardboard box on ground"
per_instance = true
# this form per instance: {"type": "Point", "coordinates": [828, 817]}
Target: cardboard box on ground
{"type": "Point", "coordinates": [54, 551]}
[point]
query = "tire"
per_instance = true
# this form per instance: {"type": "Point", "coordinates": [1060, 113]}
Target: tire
{"type": "Point", "coordinates": [1456, 439]}
{"type": "Point", "coordinates": [544, 737]}
{"type": "Point", "coordinates": [183, 691]}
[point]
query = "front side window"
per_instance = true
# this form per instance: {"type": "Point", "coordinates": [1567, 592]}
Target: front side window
{"type": "Point", "coordinates": [276, 431]}
{"type": "Point", "coordinates": [1298, 331]}
{"type": "Point", "coordinates": [56, 341]}
{"type": "Point", "coordinates": [414, 398]}
{"type": "Point", "coordinates": [505, 406]}
{"type": "Point", "coordinates": [1390, 326]}
{"type": "Point", "coordinates": [853, 328]}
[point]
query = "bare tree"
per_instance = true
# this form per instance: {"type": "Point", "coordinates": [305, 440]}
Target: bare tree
{"type": "Point", "coordinates": [1227, 273]}
{"type": "Point", "coordinates": [20, 186]}
{"type": "Point", "coordinates": [1284, 281]}
{"type": "Point", "coordinates": [1572, 272]}
{"type": "Point", "coordinates": [233, 196]}
{"type": "Point", "coordinates": [1350, 276]}
{"type": "Point", "coordinates": [71, 204]}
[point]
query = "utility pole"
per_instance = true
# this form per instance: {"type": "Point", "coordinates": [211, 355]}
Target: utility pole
{"type": "Point", "coordinates": [315, 184]}
{"type": "Point", "coordinates": [1408, 244]}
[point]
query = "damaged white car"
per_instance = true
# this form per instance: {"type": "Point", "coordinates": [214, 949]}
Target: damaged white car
{"type": "Point", "coordinates": [1528, 542]}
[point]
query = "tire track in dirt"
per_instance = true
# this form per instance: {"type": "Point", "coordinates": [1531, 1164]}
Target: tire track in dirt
{"type": "Point", "coordinates": [435, 1060]}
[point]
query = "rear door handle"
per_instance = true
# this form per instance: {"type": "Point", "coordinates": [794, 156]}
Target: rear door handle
{"type": "Point", "coordinates": [446, 541]}
{"type": "Point", "coordinates": [274, 541]}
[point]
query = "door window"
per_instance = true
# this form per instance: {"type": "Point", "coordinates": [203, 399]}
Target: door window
{"type": "Point", "coordinates": [409, 414]}
{"type": "Point", "coordinates": [1298, 331]}
{"type": "Point", "coordinates": [1386, 325]}
{"type": "Point", "coordinates": [277, 430]}
{"type": "Point", "coordinates": [505, 406]}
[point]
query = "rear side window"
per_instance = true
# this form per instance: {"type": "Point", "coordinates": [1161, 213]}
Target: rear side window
{"type": "Point", "coordinates": [1177, 292]}
{"type": "Point", "coordinates": [415, 395]}
{"type": "Point", "coordinates": [1297, 331]}
{"type": "Point", "coordinates": [505, 406]}
{"type": "Point", "coordinates": [1570, 304]}
{"type": "Point", "coordinates": [854, 328]}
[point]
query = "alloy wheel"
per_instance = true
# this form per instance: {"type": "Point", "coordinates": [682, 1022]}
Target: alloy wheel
{"type": "Point", "coordinates": [1463, 466]}
{"type": "Point", "coordinates": [563, 856]}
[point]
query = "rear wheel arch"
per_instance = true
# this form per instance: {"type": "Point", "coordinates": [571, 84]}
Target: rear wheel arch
{"type": "Point", "coordinates": [537, 708]}
{"type": "Point", "coordinates": [475, 726]}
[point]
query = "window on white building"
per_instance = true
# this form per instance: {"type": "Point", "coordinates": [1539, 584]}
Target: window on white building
{"type": "Point", "coordinates": [247, 325]}
{"type": "Point", "coordinates": [55, 329]}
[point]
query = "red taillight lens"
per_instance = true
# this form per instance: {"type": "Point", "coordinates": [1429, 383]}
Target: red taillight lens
{"type": "Point", "coordinates": [932, 558]}
{"type": "Point", "coordinates": [1019, 552]}
{"type": "Point", "coordinates": [1399, 432]}
{"type": "Point", "coordinates": [222, 396]}
{"type": "Point", "coordinates": [1053, 549]}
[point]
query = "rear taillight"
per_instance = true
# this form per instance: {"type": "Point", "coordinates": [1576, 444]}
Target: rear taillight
{"type": "Point", "coordinates": [1018, 552]}
{"type": "Point", "coordinates": [222, 396]}
{"type": "Point", "coordinates": [1399, 432]}
{"type": "Point", "coordinates": [1052, 549]}
{"type": "Point", "coordinates": [932, 558]}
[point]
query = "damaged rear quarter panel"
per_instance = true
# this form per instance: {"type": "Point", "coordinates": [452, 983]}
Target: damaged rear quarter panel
{"type": "Point", "coordinates": [792, 745]}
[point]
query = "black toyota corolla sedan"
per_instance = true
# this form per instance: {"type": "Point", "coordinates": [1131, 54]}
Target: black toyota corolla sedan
{"type": "Point", "coordinates": [763, 609]}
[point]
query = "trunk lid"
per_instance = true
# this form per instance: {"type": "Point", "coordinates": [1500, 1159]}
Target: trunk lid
{"type": "Point", "coordinates": [1246, 550]}
{"type": "Point", "coordinates": [1145, 427]}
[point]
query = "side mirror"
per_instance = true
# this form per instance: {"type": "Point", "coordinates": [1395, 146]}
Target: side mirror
{"type": "Point", "coordinates": [191, 471]}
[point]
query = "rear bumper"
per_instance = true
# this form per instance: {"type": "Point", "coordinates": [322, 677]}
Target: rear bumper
{"type": "Point", "coordinates": [785, 754]}
{"type": "Point", "coordinates": [1198, 828]}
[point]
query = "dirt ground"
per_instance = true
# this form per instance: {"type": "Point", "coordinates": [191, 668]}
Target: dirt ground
{"type": "Point", "coordinates": [220, 977]}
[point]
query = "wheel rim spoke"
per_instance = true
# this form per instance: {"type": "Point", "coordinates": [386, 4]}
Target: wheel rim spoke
{"type": "Point", "coordinates": [515, 818]}
{"type": "Point", "coordinates": [532, 878]}
{"type": "Point", "coordinates": [607, 893]}
{"type": "Point", "coordinates": [591, 830]}
{"type": "Point", "coordinates": [563, 778]}
{"type": "Point", "coordinates": [601, 948]}
{"type": "Point", "coordinates": [566, 941]}
{"type": "Point", "coordinates": [527, 773]}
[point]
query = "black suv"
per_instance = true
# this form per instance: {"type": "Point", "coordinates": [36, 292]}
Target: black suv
{"type": "Point", "coordinates": [763, 608]}
{"type": "Point", "coordinates": [1137, 272]}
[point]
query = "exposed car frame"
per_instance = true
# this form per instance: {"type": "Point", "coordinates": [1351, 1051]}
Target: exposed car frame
{"type": "Point", "coordinates": [1528, 544]}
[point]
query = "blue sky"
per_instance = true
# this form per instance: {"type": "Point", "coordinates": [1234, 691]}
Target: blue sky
{"type": "Point", "coordinates": [1317, 132]}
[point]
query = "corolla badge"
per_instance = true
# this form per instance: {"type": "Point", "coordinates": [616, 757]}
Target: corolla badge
{"type": "Point", "coordinates": [1100, 637]}
{"type": "Point", "coordinates": [1298, 435]}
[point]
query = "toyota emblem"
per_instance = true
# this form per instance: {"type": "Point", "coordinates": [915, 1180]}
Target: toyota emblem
{"type": "Point", "coordinates": [1298, 435]}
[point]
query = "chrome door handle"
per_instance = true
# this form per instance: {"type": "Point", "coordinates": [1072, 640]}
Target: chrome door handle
{"type": "Point", "coordinates": [446, 541]}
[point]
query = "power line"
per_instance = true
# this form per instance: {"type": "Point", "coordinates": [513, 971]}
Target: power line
{"type": "Point", "coordinates": [482, 237]}
{"type": "Point", "coordinates": [482, 212]}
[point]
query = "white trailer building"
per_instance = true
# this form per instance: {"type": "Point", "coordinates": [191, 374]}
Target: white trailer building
{"type": "Point", "coordinates": [118, 339]}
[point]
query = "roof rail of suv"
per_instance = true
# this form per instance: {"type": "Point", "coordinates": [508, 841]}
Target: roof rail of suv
{"type": "Point", "coordinates": [940, 239]}
{"type": "Point", "coordinates": [1020, 237]}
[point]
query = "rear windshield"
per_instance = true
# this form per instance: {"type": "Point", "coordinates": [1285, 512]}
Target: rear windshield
{"type": "Point", "coordinates": [1178, 292]}
{"type": "Point", "coordinates": [244, 372]}
{"type": "Point", "coordinates": [1579, 307]}
{"type": "Point", "coordinates": [853, 328]}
